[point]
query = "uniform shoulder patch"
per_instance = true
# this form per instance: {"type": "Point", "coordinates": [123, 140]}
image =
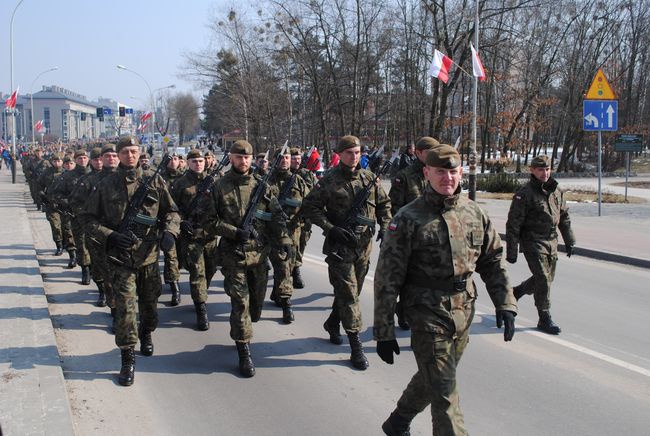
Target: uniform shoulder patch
{"type": "Point", "coordinates": [392, 226]}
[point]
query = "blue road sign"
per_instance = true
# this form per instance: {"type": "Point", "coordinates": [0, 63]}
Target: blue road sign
{"type": "Point", "coordinates": [108, 111]}
{"type": "Point", "coordinates": [600, 115]}
{"type": "Point", "coordinates": [129, 110]}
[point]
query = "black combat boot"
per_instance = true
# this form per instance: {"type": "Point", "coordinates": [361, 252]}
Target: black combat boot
{"type": "Point", "coordinates": [357, 357]}
{"type": "Point", "coordinates": [519, 291]}
{"type": "Point", "coordinates": [275, 297]}
{"type": "Point", "coordinates": [401, 319]}
{"type": "Point", "coordinates": [127, 373]}
{"type": "Point", "coordinates": [101, 299]}
{"type": "Point", "coordinates": [59, 248]}
{"type": "Point", "coordinates": [287, 312]}
{"type": "Point", "coordinates": [73, 258]}
{"type": "Point", "coordinates": [176, 293]}
{"type": "Point", "coordinates": [332, 326]}
{"type": "Point", "coordinates": [546, 324]}
{"type": "Point", "coordinates": [298, 283]}
{"type": "Point", "coordinates": [202, 322]}
{"type": "Point", "coordinates": [146, 343]}
{"type": "Point", "coordinates": [85, 274]}
{"type": "Point", "coordinates": [396, 425]}
{"type": "Point", "coordinates": [246, 366]}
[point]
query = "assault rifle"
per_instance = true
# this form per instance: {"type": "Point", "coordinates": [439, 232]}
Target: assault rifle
{"type": "Point", "coordinates": [205, 186]}
{"type": "Point", "coordinates": [375, 158]}
{"type": "Point", "coordinates": [132, 214]}
{"type": "Point", "coordinates": [355, 221]}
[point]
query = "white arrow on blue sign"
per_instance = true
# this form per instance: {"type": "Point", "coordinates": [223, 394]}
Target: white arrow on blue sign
{"type": "Point", "coordinates": [600, 115]}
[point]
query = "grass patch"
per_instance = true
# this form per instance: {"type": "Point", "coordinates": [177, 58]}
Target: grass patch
{"type": "Point", "coordinates": [642, 185]}
{"type": "Point", "coordinates": [574, 194]}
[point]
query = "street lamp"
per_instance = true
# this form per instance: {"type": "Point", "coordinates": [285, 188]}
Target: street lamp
{"type": "Point", "coordinates": [11, 75]}
{"type": "Point", "coordinates": [31, 96]}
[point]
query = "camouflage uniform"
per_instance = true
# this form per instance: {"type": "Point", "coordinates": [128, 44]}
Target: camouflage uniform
{"type": "Point", "coordinates": [537, 211]}
{"type": "Point", "coordinates": [35, 169]}
{"type": "Point", "coordinates": [305, 228]}
{"type": "Point", "coordinates": [407, 185]}
{"type": "Point", "coordinates": [171, 272]}
{"type": "Point", "coordinates": [428, 257]}
{"type": "Point", "coordinates": [136, 278]}
{"type": "Point", "coordinates": [60, 234]}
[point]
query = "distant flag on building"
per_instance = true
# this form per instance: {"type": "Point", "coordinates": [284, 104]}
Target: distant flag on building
{"type": "Point", "coordinates": [142, 127]}
{"type": "Point", "coordinates": [10, 103]}
{"type": "Point", "coordinates": [38, 126]}
{"type": "Point", "coordinates": [440, 66]}
{"type": "Point", "coordinates": [313, 163]}
{"type": "Point", "coordinates": [477, 65]}
{"type": "Point", "coordinates": [145, 117]}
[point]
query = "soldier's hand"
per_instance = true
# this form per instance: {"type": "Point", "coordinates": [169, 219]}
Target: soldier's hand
{"type": "Point", "coordinates": [187, 227]}
{"type": "Point", "coordinates": [569, 250]}
{"type": "Point", "coordinates": [341, 235]}
{"type": "Point", "coordinates": [511, 258]}
{"type": "Point", "coordinates": [119, 241]}
{"type": "Point", "coordinates": [506, 319]}
{"type": "Point", "coordinates": [385, 350]}
{"type": "Point", "coordinates": [242, 235]}
{"type": "Point", "coordinates": [380, 236]}
{"type": "Point", "coordinates": [167, 242]}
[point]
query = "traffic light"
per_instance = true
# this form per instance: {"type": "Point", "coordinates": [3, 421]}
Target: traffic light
{"type": "Point", "coordinates": [100, 112]}
{"type": "Point", "coordinates": [122, 111]}
{"type": "Point", "coordinates": [83, 116]}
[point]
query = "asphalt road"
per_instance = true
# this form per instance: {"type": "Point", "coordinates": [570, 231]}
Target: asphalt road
{"type": "Point", "coordinates": [592, 379]}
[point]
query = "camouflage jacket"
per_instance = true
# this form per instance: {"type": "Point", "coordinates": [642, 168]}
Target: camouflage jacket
{"type": "Point", "coordinates": [109, 200]}
{"type": "Point", "coordinates": [429, 254]}
{"type": "Point", "coordinates": [171, 176]}
{"type": "Point", "coordinates": [67, 184]}
{"type": "Point", "coordinates": [36, 168]}
{"type": "Point", "coordinates": [292, 204]}
{"type": "Point", "coordinates": [184, 191]}
{"type": "Point", "coordinates": [308, 176]}
{"type": "Point", "coordinates": [47, 180]}
{"type": "Point", "coordinates": [407, 185]}
{"type": "Point", "coordinates": [230, 198]}
{"type": "Point", "coordinates": [329, 203]}
{"type": "Point", "coordinates": [536, 212]}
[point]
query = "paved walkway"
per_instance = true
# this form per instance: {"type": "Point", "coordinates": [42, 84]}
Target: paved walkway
{"type": "Point", "coordinates": [33, 398]}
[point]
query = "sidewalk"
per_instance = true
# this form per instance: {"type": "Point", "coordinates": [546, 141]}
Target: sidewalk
{"type": "Point", "coordinates": [33, 397]}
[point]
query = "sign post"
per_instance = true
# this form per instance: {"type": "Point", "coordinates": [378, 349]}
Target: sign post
{"type": "Point", "coordinates": [600, 113]}
{"type": "Point", "coordinates": [628, 143]}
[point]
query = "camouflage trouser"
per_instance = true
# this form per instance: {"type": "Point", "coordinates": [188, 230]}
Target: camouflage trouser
{"type": "Point", "coordinates": [98, 261]}
{"type": "Point", "coordinates": [305, 234]}
{"type": "Point", "coordinates": [542, 266]}
{"type": "Point", "coordinates": [170, 271]}
{"type": "Point", "coordinates": [283, 260]}
{"type": "Point", "coordinates": [66, 225]}
{"type": "Point", "coordinates": [83, 256]}
{"type": "Point", "coordinates": [109, 279]}
{"type": "Point", "coordinates": [59, 231]}
{"type": "Point", "coordinates": [201, 262]}
{"type": "Point", "coordinates": [33, 190]}
{"type": "Point", "coordinates": [142, 284]}
{"type": "Point", "coordinates": [246, 288]}
{"type": "Point", "coordinates": [437, 356]}
{"type": "Point", "coordinates": [347, 279]}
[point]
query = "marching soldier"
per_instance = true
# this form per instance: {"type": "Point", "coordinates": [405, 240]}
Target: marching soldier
{"type": "Point", "coordinates": [36, 167]}
{"type": "Point", "coordinates": [171, 271]}
{"type": "Point", "coordinates": [135, 255]}
{"type": "Point", "coordinates": [430, 252]}
{"type": "Point", "coordinates": [537, 211]}
{"type": "Point", "coordinates": [348, 251]}
{"type": "Point", "coordinates": [62, 235]}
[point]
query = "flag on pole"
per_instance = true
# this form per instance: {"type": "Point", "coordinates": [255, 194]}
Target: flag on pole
{"type": "Point", "coordinates": [38, 126]}
{"type": "Point", "coordinates": [11, 101]}
{"type": "Point", "coordinates": [477, 65]}
{"type": "Point", "coordinates": [313, 163]}
{"type": "Point", "coordinates": [440, 66]}
{"type": "Point", "coordinates": [145, 117]}
{"type": "Point", "coordinates": [142, 127]}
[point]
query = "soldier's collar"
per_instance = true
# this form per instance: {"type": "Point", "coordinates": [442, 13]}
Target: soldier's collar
{"type": "Point", "coordinates": [441, 201]}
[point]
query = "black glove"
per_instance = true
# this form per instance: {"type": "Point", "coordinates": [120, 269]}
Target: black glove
{"type": "Point", "coordinates": [167, 242]}
{"type": "Point", "coordinates": [120, 241]}
{"type": "Point", "coordinates": [385, 349]}
{"type": "Point", "coordinates": [569, 250]}
{"type": "Point", "coordinates": [506, 318]}
{"type": "Point", "coordinates": [341, 235]}
{"type": "Point", "coordinates": [187, 227]}
{"type": "Point", "coordinates": [511, 258]}
{"type": "Point", "coordinates": [380, 236]}
{"type": "Point", "coordinates": [242, 235]}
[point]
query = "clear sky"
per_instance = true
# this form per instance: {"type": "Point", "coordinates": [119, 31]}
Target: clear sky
{"type": "Point", "coordinates": [86, 39]}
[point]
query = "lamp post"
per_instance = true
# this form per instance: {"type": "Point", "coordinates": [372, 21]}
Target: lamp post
{"type": "Point", "coordinates": [11, 75]}
{"type": "Point", "coordinates": [31, 96]}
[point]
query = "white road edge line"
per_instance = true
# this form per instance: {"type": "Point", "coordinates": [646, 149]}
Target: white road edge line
{"type": "Point", "coordinates": [319, 260]}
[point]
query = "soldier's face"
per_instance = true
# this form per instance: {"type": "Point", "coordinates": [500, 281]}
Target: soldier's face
{"type": "Point", "coordinates": [129, 156]}
{"type": "Point", "coordinates": [82, 161]}
{"type": "Point", "coordinates": [296, 160]}
{"type": "Point", "coordinates": [263, 163]}
{"type": "Point", "coordinates": [241, 162]}
{"type": "Point", "coordinates": [541, 174]}
{"type": "Point", "coordinates": [69, 165]}
{"type": "Point", "coordinates": [97, 163]}
{"type": "Point", "coordinates": [144, 161]}
{"type": "Point", "coordinates": [209, 160]}
{"type": "Point", "coordinates": [173, 164]}
{"type": "Point", "coordinates": [444, 181]}
{"type": "Point", "coordinates": [181, 163]}
{"type": "Point", "coordinates": [350, 156]}
{"type": "Point", "coordinates": [57, 163]}
{"type": "Point", "coordinates": [196, 164]}
{"type": "Point", "coordinates": [285, 162]}
{"type": "Point", "coordinates": [110, 160]}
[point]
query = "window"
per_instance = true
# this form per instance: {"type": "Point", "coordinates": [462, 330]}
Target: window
{"type": "Point", "coordinates": [46, 118]}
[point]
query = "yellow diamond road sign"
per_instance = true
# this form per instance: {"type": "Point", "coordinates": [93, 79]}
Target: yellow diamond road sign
{"type": "Point", "coordinates": [600, 89]}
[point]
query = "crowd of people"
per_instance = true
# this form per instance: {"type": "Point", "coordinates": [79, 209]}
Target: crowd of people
{"type": "Point", "coordinates": [113, 211]}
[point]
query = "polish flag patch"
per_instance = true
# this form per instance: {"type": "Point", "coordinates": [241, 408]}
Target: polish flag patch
{"type": "Point", "coordinates": [392, 226]}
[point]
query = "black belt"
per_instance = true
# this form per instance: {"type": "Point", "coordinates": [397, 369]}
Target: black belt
{"type": "Point", "coordinates": [452, 284]}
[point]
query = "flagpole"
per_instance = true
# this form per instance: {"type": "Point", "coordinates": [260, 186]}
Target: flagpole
{"type": "Point", "coordinates": [472, 154]}
{"type": "Point", "coordinates": [11, 77]}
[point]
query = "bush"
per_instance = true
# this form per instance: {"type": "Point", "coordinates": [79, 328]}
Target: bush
{"type": "Point", "coordinates": [500, 182]}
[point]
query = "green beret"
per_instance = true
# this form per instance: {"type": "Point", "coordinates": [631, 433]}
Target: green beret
{"type": "Point", "coordinates": [541, 161]}
{"type": "Point", "coordinates": [56, 156]}
{"type": "Point", "coordinates": [346, 142]}
{"type": "Point", "coordinates": [95, 153]}
{"type": "Point", "coordinates": [242, 147]}
{"type": "Point", "coordinates": [67, 158]}
{"type": "Point", "coordinates": [295, 151]}
{"type": "Point", "coordinates": [260, 156]}
{"type": "Point", "coordinates": [207, 153]}
{"type": "Point", "coordinates": [193, 154]}
{"type": "Point", "coordinates": [426, 143]}
{"type": "Point", "coordinates": [126, 141]}
{"type": "Point", "coordinates": [143, 155]}
{"type": "Point", "coordinates": [109, 148]}
{"type": "Point", "coordinates": [443, 156]}
{"type": "Point", "coordinates": [80, 152]}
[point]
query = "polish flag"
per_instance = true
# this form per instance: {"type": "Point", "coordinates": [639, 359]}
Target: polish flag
{"type": "Point", "coordinates": [11, 101]}
{"type": "Point", "coordinates": [477, 65]}
{"type": "Point", "coordinates": [142, 127]}
{"type": "Point", "coordinates": [440, 66]}
{"type": "Point", "coordinates": [38, 126]}
{"type": "Point", "coordinates": [145, 117]}
{"type": "Point", "coordinates": [313, 163]}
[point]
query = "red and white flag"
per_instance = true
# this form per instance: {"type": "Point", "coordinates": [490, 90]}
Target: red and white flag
{"type": "Point", "coordinates": [313, 163]}
{"type": "Point", "coordinates": [38, 126]}
{"type": "Point", "coordinates": [142, 127]}
{"type": "Point", "coordinates": [440, 66]}
{"type": "Point", "coordinates": [145, 117]}
{"type": "Point", "coordinates": [477, 65]}
{"type": "Point", "coordinates": [11, 101]}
